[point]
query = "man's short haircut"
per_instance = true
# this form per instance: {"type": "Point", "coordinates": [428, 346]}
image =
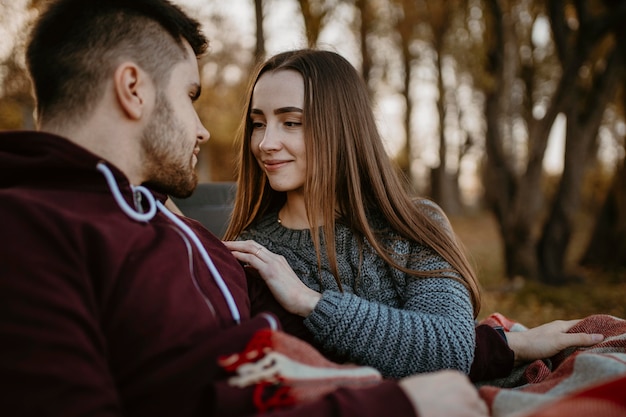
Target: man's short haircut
{"type": "Point", "coordinates": [76, 44]}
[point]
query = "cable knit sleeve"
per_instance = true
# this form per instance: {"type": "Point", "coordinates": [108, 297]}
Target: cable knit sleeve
{"type": "Point", "coordinates": [432, 330]}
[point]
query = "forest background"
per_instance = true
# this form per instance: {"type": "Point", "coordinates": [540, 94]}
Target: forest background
{"type": "Point", "coordinates": [508, 113]}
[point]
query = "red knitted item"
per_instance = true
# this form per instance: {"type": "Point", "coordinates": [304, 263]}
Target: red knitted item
{"type": "Point", "coordinates": [285, 370]}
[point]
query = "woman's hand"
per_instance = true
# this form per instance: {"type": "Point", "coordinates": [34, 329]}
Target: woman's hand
{"type": "Point", "coordinates": [547, 340]}
{"type": "Point", "coordinates": [287, 288]}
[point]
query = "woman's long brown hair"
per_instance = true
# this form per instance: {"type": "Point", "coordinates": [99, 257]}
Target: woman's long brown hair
{"type": "Point", "coordinates": [348, 171]}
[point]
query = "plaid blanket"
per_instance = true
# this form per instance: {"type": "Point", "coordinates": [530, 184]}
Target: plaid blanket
{"type": "Point", "coordinates": [576, 382]}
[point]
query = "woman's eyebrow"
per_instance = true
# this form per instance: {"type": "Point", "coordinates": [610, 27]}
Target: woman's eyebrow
{"type": "Point", "coordinates": [288, 110]}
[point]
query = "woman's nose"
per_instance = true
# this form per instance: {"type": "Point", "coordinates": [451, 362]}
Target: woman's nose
{"type": "Point", "coordinates": [270, 140]}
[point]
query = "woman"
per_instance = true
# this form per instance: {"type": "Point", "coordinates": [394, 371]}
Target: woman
{"type": "Point", "coordinates": [378, 275]}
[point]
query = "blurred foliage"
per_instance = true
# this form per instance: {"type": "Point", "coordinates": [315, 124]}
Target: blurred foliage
{"type": "Point", "coordinates": [10, 114]}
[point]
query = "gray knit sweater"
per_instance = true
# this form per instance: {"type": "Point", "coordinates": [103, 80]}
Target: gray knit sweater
{"type": "Point", "coordinates": [384, 318]}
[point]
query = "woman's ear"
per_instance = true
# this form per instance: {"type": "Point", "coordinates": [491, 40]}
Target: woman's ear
{"type": "Point", "coordinates": [133, 88]}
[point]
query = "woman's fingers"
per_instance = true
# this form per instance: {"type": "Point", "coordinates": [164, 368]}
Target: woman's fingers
{"type": "Point", "coordinates": [548, 339]}
{"type": "Point", "coordinates": [248, 251]}
{"type": "Point", "coordinates": [280, 278]}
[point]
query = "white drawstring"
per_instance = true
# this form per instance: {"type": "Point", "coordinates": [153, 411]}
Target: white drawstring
{"type": "Point", "coordinates": [234, 311]}
{"type": "Point", "coordinates": [270, 320]}
{"type": "Point", "coordinates": [126, 208]}
{"type": "Point", "coordinates": [144, 217]}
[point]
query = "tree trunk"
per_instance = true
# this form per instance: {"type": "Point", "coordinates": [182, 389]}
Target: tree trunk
{"type": "Point", "coordinates": [607, 246]}
{"type": "Point", "coordinates": [404, 161]}
{"type": "Point", "coordinates": [313, 17]}
{"type": "Point", "coordinates": [445, 191]}
{"type": "Point", "coordinates": [503, 189]}
{"type": "Point", "coordinates": [582, 129]}
{"type": "Point", "coordinates": [259, 52]}
{"type": "Point", "coordinates": [444, 185]}
{"type": "Point", "coordinates": [405, 25]}
{"type": "Point", "coordinates": [367, 18]}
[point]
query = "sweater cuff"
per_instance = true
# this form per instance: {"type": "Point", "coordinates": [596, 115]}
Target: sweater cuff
{"type": "Point", "coordinates": [325, 310]}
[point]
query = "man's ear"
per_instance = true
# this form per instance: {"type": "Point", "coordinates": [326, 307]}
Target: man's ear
{"type": "Point", "coordinates": [133, 89]}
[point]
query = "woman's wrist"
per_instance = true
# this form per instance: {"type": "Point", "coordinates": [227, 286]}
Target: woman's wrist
{"type": "Point", "coordinates": [515, 341]}
{"type": "Point", "coordinates": [308, 303]}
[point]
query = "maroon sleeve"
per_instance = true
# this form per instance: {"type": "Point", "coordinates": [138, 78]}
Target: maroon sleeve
{"type": "Point", "coordinates": [492, 358]}
{"type": "Point", "coordinates": [386, 399]}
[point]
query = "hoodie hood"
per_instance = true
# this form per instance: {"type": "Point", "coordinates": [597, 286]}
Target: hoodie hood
{"type": "Point", "coordinates": [39, 159]}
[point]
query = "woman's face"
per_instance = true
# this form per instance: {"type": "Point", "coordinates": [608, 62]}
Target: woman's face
{"type": "Point", "coordinates": [277, 140]}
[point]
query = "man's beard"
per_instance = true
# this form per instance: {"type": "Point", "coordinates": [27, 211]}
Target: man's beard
{"type": "Point", "coordinates": [164, 155]}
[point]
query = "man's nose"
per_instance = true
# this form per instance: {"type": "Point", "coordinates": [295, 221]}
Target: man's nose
{"type": "Point", "coordinates": [203, 134]}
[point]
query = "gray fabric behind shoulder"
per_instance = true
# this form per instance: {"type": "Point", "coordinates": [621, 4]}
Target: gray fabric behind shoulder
{"type": "Point", "coordinates": [211, 204]}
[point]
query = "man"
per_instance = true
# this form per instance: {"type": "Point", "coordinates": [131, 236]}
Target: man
{"type": "Point", "coordinates": [110, 304]}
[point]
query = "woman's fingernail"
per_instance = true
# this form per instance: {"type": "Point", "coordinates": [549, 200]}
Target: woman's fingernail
{"type": "Point", "coordinates": [597, 337]}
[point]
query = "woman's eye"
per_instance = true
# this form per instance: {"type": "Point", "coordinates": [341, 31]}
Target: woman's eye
{"type": "Point", "coordinates": [257, 125]}
{"type": "Point", "coordinates": [293, 124]}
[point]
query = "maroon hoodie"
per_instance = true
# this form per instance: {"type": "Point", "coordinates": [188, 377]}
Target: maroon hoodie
{"type": "Point", "coordinates": [102, 314]}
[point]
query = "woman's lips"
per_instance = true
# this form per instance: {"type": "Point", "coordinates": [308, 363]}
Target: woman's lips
{"type": "Point", "coordinates": [274, 165]}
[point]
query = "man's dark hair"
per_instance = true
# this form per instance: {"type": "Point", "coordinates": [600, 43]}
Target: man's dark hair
{"type": "Point", "coordinates": [76, 44]}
